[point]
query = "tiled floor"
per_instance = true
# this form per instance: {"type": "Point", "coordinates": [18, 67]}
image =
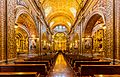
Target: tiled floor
{"type": "Point", "coordinates": [61, 68]}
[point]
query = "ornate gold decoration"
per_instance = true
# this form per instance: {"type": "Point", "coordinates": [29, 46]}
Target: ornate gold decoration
{"type": "Point", "coordinates": [60, 11]}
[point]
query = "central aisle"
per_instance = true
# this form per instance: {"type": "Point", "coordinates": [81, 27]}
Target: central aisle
{"type": "Point", "coordinates": [61, 68]}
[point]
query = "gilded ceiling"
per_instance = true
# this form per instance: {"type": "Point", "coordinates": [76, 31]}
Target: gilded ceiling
{"type": "Point", "coordinates": [26, 20]}
{"type": "Point", "coordinates": [60, 12]}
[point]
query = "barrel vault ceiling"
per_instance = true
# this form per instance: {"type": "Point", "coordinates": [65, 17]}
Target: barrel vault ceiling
{"type": "Point", "coordinates": [60, 12]}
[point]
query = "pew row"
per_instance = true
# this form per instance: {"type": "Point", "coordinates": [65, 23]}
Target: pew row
{"type": "Point", "coordinates": [77, 64]}
{"type": "Point", "coordinates": [51, 58]}
{"type": "Point", "coordinates": [19, 74]}
{"type": "Point", "coordinates": [72, 58]}
{"type": "Point", "coordinates": [89, 59]}
{"type": "Point", "coordinates": [47, 63]}
{"type": "Point", "coordinates": [39, 68]}
{"type": "Point", "coordinates": [91, 70]}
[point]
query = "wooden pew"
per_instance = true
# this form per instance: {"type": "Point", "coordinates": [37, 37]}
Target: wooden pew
{"type": "Point", "coordinates": [47, 63]}
{"type": "Point", "coordinates": [19, 74]}
{"type": "Point", "coordinates": [79, 63]}
{"type": "Point", "coordinates": [86, 59]}
{"type": "Point", "coordinates": [39, 68]}
{"type": "Point", "coordinates": [75, 57]}
{"type": "Point", "coordinates": [50, 58]}
{"type": "Point", "coordinates": [91, 70]}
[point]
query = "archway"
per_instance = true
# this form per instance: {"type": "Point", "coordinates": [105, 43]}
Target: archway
{"type": "Point", "coordinates": [93, 40]}
{"type": "Point", "coordinates": [22, 41]}
{"type": "Point", "coordinates": [26, 22]}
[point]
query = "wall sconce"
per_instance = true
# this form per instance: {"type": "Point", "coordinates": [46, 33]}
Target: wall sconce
{"type": "Point", "coordinates": [104, 27]}
{"type": "Point", "coordinates": [16, 26]}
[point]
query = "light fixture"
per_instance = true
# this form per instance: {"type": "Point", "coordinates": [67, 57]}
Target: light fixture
{"type": "Point", "coordinates": [16, 26]}
{"type": "Point", "coordinates": [104, 27]}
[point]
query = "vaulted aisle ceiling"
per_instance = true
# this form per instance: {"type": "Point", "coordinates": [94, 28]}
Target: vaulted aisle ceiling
{"type": "Point", "coordinates": [60, 12]}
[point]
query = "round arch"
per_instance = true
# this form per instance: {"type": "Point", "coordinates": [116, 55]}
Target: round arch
{"type": "Point", "coordinates": [91, 20]}
{"type": "Point", "coordinates": [23, 10]}
{"type": "Point", "coordinates": [94, 44]}
{"type": "Point", "coordinates": [26, 30]}
{"type": "Point", "coordinates": [57, 14]}
{"type": "Point", "coordinates": [22, 40]}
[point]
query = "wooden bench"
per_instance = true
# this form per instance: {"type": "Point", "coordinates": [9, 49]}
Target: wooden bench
{"type": "Point", "coordinates": [79, 63]}
{"type": "Point", "coordinates": [39, 68]}
{"type": "Point", "coordinates": [89, 59]}
{"type": "Point", "coordinates": [49, 58]}
{"type": "Point", "coordinates": [76, 57]}
{"type": "Point", "coordinates": [91, 70]}
{"type": "Point", "coordinates": [19, 74]}
{"type": "Point", "coordinates": [47, 63]}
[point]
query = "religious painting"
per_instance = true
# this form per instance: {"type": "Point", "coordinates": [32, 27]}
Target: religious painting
{"type": "Point", "coordinates": [87, 42]}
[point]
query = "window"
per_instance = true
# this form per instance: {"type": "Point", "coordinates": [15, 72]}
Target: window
{"type": "Point", "coordinates": [60, 28]}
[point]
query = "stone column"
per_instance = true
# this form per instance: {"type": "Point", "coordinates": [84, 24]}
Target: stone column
{"type": "Point", "coordinates": [105, 43]}
{"type": "Point", "coordinates": [2, 29]}
{"type": "Point", "coordinates": [7, 19]}
{"type": "Point", "coordinates": [117, 8]}
{"type": "Point", "coordinates": [109, 28]}
{"type": "Point", "coordinates": [80, 37]}
{"type": "Point", "coordinates": [11, 44]}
